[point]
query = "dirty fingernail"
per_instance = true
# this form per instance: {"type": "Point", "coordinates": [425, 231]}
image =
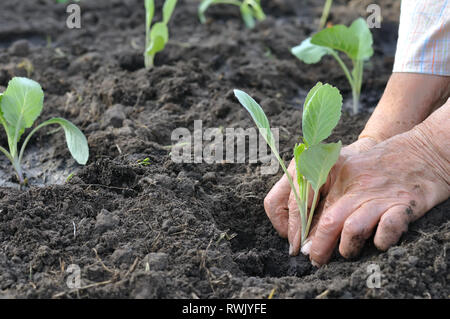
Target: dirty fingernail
{"type": "Point", "coordinates": [315, 264]}
{"type": "Point", "coordinates": [291, 249]}
{"type": "Point", "coordinates": [306, 247]}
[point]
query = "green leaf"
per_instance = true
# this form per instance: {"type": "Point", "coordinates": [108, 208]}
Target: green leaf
{"type": "Point", "coordinates": [316, 162]}
{"type": "Point", "coordinates": [360, 29]}
{"type": "Point", "coordinates": [22, 102]}
{"type": "Point", "coordinates": [340, 38]}
{"type": "Point", "coordinates": [355, 41]}
{"type": "Point", "coordinates": [321, 113]}
{"type": "Point", "coordinates": [149, 11]}
{"type": "Point", "coordinates": [168, 8]}
{"type": "Point", "coordinates": [259, 117]}
{"type": "Point", "coordinates": [247, 16]}
{"type": "Point", "coordinates": [76, 141]}
{"type": "Point", "coordinates": [21, 105]}
{"type": "Point", "coordinates": [202, 9]}
{"type": "Point", "coordinates": [309, 53]}
{"type": "Point", "coordinates": [311, 93]}
{"type": "Point", "coordinates": [159, 35]}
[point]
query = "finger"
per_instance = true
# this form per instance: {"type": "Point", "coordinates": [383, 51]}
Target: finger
{"type": "Point", "coordinates": [392, 225]}
{"type": "Point", "coordinates": [329, 228]}
{"type": "Point", "coordinates": [359, 227]}
{"type": "Point", "coordinates": [276, 204]}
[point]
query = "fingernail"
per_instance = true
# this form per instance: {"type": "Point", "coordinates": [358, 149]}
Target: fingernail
{"type": "Point", "coordinates": [315, 264]}
{"type": "Point", "coordinates": [306, 247]}
{"type": "Point", "coordinates": [291, 249]}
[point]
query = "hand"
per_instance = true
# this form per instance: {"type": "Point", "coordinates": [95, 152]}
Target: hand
{"type": "Point", "coordinates": [280, 204]}
{"type": "Point", "coordinates": [391, 185]}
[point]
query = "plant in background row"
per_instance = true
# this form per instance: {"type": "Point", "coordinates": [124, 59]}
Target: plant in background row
{"type": "Point", "coordinates": [313, 159]}
{"type": "Point", "coordinates": [325, 13]}
{"type": "Point", "coordinates": [156, 35]}
{"type": "Point", "coordinates": [250, 10]}
{"type": "Point", "coordinates": [355, 41]}
{"type": "Point", "coordinates": [20, 105]}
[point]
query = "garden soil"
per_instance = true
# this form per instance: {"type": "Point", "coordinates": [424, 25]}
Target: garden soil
{"type": "Point", "coordinates": [161, 229]}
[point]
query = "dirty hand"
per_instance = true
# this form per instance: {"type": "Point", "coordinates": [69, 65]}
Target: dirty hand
{"type": "Point", "coordinates": [280, 204]}
{"type": "Point", "coordinates": [390, 185]}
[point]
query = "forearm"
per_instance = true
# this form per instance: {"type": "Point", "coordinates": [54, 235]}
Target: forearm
{"type": "Point", "coordinates": [409, 98]}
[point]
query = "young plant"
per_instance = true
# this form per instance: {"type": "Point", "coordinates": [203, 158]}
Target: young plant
{"type": "Point", "coordinates": [20, 105]}
{"type": "Point", "coordinates": [156, 35]}
{"type": "Point", "coordinates": [325, 13]}
{"type": "Point", "coordinates": [355, 41]}
{"type": "Point", "coordinates": [313, 159]}
{"type": "Point", "coordinates": [250, 10]}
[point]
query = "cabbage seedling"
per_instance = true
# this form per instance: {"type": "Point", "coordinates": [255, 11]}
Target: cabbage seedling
{"type": "Point", "coordinates": [313, 159]}
{"type": "Point", "coordinates": [355, 41]}
{"type": "Point", "coordinates": [20, 105]}
{"type": "Point", "coordinates": [250, 10]}
{"type": "Point", "coordinates": [156, 35]}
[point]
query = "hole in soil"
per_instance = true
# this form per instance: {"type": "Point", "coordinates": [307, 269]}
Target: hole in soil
{"type": "Point", "coordinates": [259, 251]}
{"type": "Point", "coordinates": [272, 263]}
{"type": "Point", "coordinates": [40, 166]}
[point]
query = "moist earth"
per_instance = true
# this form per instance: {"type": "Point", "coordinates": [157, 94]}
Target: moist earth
{"type": "Point", "coordinates": [181, 230]}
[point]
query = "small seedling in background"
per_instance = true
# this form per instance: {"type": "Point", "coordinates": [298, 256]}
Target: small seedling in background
{"type": "Point", "coordinates": [144, 162]}
{"type": "Point", "coordinates": [69, 177]}
{"type": "Point", "coordinates": [355, 41]}
{"type": "Point", "coordinates": [250, 10]}
{"type": "Point", "coordinates": [325, 13]}
{"type": "Point", "coordinates": [313, 159]}
{"type": "Point", "coordinates": [20, 105]}
{"type": "Point", "coordinates": [27, 65]}
{"type": "Point", "coordinates": [156, 35]}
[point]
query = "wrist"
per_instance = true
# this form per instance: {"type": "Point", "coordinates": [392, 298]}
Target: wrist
{"type": "Point", "coordinates": [430, 142]}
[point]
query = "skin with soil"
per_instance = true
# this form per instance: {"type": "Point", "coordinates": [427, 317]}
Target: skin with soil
{"type": "Point", "coordinates": [168, 230]}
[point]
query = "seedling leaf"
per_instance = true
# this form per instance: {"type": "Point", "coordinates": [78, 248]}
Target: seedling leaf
{"type": "Point", "coordinates": [360, 29]}
{"type": "Point", "coordinates": [309, 53]}
{"type": "Point", "coordinates": [258, 116]}
{"type": "Point", "coordinates": [149, 11]}
{"type": "Point", "coordinates": [316, 162]}
{"type": "Point", "coordinates": [168, 8]}
{"type": "Point", "coordinates": [21, 105]}
{"type": "Point", "coordinates": [321, 113]}
{"type": "Point", "coordinates": [338, 37]}
{"type": "Point", "coordinates": [76, 141]}
{"type": "Point", "coordinates": [159, 35]}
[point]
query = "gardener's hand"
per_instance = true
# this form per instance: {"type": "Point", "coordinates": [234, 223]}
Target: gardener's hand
{"type": "Point", "coordinates": [280, 204]}
{"type": "Point", "coordinates": [391, 185]}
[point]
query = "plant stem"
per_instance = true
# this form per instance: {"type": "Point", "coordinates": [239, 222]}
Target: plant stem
{"type": "Point", "coordinates": [356, 88]}
{"type": "Point", "coordinates": [148, 61]}
{"type": "Point", "coordinates": [325, 13]}
{"type": "Point", "coordinates": [304, 234]}
{"type": "Point", "coordinates": [4, 151]}
{"type": "Point", "coordinates": [19, 172]}
{"type": "Point", "coordinates": [344, 67]}
{"type": "Point", "coordinates": [311, 212]}
{"type": "Point", "coordinates": [297, 198]}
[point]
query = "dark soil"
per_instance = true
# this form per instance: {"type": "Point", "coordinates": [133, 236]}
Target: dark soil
{"type": "Point", "coordinates": [170, 230]}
